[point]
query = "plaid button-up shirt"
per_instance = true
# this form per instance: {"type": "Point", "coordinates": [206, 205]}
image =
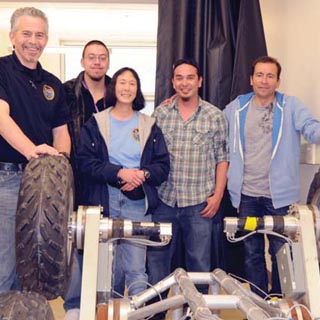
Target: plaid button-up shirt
{"type": "Point", "coordinates": [195, 147]}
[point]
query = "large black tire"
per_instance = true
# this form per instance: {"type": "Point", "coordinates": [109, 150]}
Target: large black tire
{"type": "Point", "coordinates": [16, 305]}
{"type": "Point", "coordinates": [42, 243]}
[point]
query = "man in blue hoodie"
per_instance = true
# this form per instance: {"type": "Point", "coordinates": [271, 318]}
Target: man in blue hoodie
{"type": "Point", "coordinates": [263, 176]}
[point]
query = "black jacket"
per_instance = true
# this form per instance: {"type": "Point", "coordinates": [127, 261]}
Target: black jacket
{"type": "Point", "coordinates": [77, 106]}
{"type": "Point", "coordinates": [79, 115]}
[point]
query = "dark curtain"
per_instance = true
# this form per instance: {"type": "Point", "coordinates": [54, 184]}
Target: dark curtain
{"type": "Point", "coordinates": [224, 37]}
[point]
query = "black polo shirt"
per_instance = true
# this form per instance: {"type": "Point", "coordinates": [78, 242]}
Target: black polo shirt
{"type": "Point", "coordinates": [37, 104]}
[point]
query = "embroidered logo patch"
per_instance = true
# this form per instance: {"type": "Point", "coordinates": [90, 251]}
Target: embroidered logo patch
{"type": "Point", "coordinates": [48, 92]}
{"type": "Point", "coordinates": [135, 134]}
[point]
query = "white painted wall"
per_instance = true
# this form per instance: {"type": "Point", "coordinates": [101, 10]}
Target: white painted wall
{"type": "Point", "coordinates": [292, 35]}
{"type": "Point", "coordinates": [73, 22]}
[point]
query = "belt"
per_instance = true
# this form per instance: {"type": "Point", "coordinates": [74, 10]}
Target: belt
{"type": "Point", "coordinates": [7, 166]}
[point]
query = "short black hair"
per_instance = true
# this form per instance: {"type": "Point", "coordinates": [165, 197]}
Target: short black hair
{"type": "Point", "coordinates": [266, 59]}
{"type": "Point", "coordinates": [191, 62]}
{"type": "Point", "coordinates": [111, 99]}
{"type": "Point", "coordinates": [97, 42]}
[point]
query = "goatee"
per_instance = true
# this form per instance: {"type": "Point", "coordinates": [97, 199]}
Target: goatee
{"type": "Point", "coordinates": [97, 79]}
{"type": "Point", "coordinates": [184, 98]}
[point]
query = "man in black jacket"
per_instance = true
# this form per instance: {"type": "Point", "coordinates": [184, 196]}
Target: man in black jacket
{"type": "Point", "coordinates": [85, 96]}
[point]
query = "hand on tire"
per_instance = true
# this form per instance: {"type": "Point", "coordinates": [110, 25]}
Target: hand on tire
{"type": "Point", "coordinates": [42, 149]}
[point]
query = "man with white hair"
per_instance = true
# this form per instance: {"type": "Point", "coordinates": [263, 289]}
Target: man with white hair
{"type": "Point", "coordinates": [33, 121]}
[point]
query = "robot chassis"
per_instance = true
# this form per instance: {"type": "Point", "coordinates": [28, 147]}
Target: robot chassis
{"type": "Point", "coordinates": [298, 269]}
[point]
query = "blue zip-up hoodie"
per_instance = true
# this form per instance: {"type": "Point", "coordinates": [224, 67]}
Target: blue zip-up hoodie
{"type": "Point", "coordinates": [93, 160]}
{"type": "Point", "coordinates": [291, 118]}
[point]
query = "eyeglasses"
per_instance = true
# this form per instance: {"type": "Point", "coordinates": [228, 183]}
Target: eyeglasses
{"type": "Point", "coordinates": [94, 57]}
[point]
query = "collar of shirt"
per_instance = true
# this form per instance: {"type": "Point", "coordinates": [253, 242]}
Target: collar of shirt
{"type": "Point", "coordinates": [174, 105]}
{"type": "Point", "coordinates": [34, 74]}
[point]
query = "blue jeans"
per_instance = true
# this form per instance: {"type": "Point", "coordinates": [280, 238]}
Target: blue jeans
{"type": "Point", "coordinates": [129, 257]}
{"type": "Point", "coordinates": [72, 296]}
{"type": "Point", "coordinates": [255, 263]}
{"type": "Point", "coordinates": [9, 190]}
{"type": "Point", "coordinates": [159, 258]}
{"type": "Point", "coordinates": [196, 233]}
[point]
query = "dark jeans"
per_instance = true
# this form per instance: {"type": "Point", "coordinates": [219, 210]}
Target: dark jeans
{"type": "Point", "coordinates": [72, 296]}
{"type": "Point", "coordinates": [196, 233]}
{"type": "Point", "coordinates": [255, 263]}
{"type": "Point", "coordinates": [9, 190]}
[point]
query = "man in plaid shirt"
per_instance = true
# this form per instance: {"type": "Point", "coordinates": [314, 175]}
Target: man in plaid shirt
{"type": "Point", "coordinates": [196, 134]}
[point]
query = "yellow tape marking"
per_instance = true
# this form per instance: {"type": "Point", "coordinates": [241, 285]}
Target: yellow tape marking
{"type": "Point", "coordinates": [251, 223]}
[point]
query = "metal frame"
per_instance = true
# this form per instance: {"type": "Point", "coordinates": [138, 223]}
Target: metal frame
{"type": "Point", "coordinates": [92, 232]}
{"type": "Point", "coordinates": [90, 263]}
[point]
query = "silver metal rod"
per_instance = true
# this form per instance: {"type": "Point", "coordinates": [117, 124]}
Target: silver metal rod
{"type": "Point", "coordinates": [201, 278]}
{"type": "Point", "coordinates": [246, 304]}
{"type": "Point", "coordinates": [222, 302]}
{"type": "Point", "coordinates": [163, 285]}
{"type": "Point", "coordinates": [177, 313]}
{"type": "Point", "coordinates": [193, 297]}
{"type": "Point", "coordinates": [157, 307]}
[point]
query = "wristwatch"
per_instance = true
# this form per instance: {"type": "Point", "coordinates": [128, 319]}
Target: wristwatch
{"type": "Point", "coordinates": [146, 173]}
